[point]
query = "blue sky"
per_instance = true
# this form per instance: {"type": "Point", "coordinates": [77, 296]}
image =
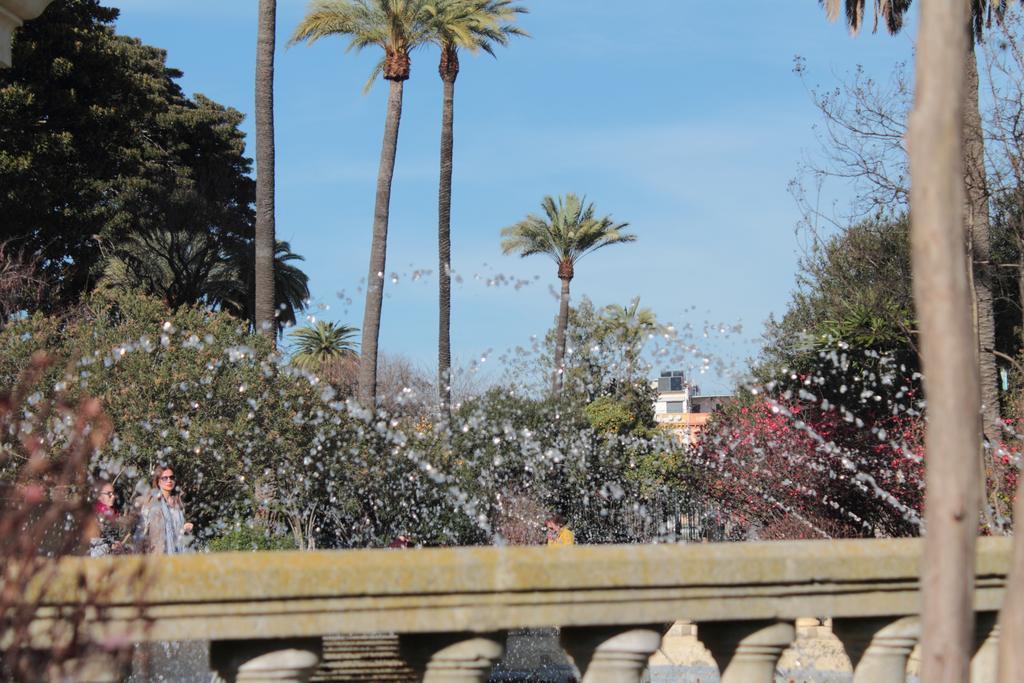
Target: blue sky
{"type": "Point", "coordinates": [683, 118]}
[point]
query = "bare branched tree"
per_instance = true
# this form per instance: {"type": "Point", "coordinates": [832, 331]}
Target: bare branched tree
{"type": "Point", "coordinates": [862, 144]}
{"type": "Point", "coordinates": [21, 288]}
{"type": "Point", "coordinates": [46, 513]}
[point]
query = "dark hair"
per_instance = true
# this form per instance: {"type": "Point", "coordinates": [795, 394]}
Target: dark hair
{"type": "Point", "coordinates": [557, 517]}
{"type": "Point", "coordinates": [157, 471]}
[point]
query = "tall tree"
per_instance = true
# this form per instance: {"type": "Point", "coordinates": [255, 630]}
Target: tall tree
{"type": "Point", "coordinates": [975, 209]}
{"type": "Point", "coordinates": [78, 161]}
{"type": "Point", "coordinates": [568, 231]}
{"type": "Point", "coordinates": [395, 26]}
{"type": "Point", "coordinates": [473, 25]}
{"type": "Point", "coordinates": [265, 242]}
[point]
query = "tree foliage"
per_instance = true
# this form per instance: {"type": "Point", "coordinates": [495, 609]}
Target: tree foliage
{"type": "Point", "coordinates": [792, 469]}
{"type": "Point", "coordinates": [850, 325]}
{"type": "Point", "coordinates": [248, 437]}
{"type": "Point", "coordinates": [322, 343]}
{"type": "Point", "coordinates": [514, 453]}
{"type": "Point", "coordinates": [100, 147]}
{"type": "Point", "coordinates": [568, 230]}
{"type": "Point", "coordinates": [828, 439]}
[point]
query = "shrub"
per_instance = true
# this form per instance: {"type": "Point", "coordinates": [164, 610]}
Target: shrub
{"type": "Point", "coordinates": [246, 536]}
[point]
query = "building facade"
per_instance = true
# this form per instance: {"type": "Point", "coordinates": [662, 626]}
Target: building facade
{"type": "Point", "coordinates": [680, 408]}
{"type": "Point", "coordinates": [12, 14]}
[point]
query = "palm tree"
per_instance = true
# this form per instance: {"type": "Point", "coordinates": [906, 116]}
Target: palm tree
{"type": "Point", "coordinates": [322, 343]}
{"type": "Point", "coordinates": [183, 268]}
{"type": "Point", "coordinates": [568, 231]}
{"type": "Point", "coordinates": [629, 325]}
{"type": "Point", "coordinates": [976, 207]}
{"type": "Point", "coordinates": [179, 267]}
{"type": "Point", "coordinates": [395, 26]}
{"type": "Point", "coordinates": [291, 286]}
{"type": "Point", "coordinates": [263, 296]}
{"type": "Point", "coordinates": [474, 25]}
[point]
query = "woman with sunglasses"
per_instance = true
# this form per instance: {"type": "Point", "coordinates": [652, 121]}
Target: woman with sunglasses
{"type": "Point", "coordinates": [163, 526]}
{"type": "Point", "coordinates": [109, 530]}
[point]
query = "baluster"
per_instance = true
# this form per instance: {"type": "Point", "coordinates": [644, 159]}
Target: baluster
{"type": "Point", "coordinates": [746, 651]}
{"type": "Point", "coordinates": [455, 657]}
{"type": "Point", "coordinates": [985, 660]}
{"type": "Point", "coordinates": [878, 647]}
{"type": "Point", "coordinates": [612, 654]}
{"type": "Point", "coordinates": [292, 660]}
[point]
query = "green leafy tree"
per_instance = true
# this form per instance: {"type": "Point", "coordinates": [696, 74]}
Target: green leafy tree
{"type": "Point", "coordinates": [603, 359]}
{"type": "Point", "coordinates": [100, 143]}
{"type": "Point", "coordinates": [849, 333]}
{"type": "Point", "coordinates": [976, 196]}
{"type": "Point", "coordinates": [472, 25]}
{"type": "Point", "coordinates": [568, 231]}
{"type": "Point", "coordinates": [630, 326]}
{"type": "Point", "coordinates": [250, 438]}
{"type": "Point", "coordinates": [396, 27]}
{"type": "Point", "coordinates": [513, 453]}
{"type": "Point", "coordinates": [179, 268]}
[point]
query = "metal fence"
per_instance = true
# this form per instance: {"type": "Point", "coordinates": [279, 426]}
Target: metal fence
{"type": "Point", "coordinates": [664, 521]}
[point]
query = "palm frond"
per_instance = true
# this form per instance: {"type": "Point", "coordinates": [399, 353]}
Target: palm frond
{"type": "Point", "coordinates": [473, 25]}
{"type": "Point", "coordinates": [322, 343]}
{"type": "Point", "coordinates": [378, 69]}
{"type": "Point", "coordinates": [892, 12]}
{"type": "Point", "coordinates": [568, 231]}
{"type": "Point", "coordinates": [396, 26]}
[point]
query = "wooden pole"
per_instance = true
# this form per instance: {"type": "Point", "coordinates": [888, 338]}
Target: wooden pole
{"type": "Point", "coordinates": [943, 301]}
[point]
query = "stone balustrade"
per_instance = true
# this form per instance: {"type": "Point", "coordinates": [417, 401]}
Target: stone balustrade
{"type": "Point", "coordinates": [265, 614]}
{"type": "Point", "coordinates": [12, 14]}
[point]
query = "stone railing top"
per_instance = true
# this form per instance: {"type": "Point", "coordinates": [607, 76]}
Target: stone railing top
{"type": "Point", "coordinates": [243, 595]}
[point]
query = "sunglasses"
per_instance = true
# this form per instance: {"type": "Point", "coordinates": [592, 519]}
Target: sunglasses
{"type": "Point", "coordinates": [167, 478]}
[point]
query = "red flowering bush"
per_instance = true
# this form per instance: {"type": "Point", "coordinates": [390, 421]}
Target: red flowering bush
{"type": "Point", "coordinates": [1002, 472]}
{"type": "Point", "coordinates": [798, 470]}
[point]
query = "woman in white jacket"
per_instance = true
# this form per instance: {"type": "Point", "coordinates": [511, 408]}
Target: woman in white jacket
{"type": "Point", "coordinates": [162, 525]}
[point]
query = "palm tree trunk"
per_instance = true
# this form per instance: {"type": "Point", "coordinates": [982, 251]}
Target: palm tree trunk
{"type": "Point", "coordinates": [976, 224]}
{"type": "Point", "coordinates": [378, 251]}
{"type": "Point", "coordinates": [948, 343]}
{"type": "Point", "coordinates": [563, 323]}
{"type": "Point", "coordinates": [976, 221]}
{"type": "Point", "coordinates": [264, 237]}
{"type": "Point", "coordinates": [1020, 279]}
{"type": "Point", "coordinates": [444, 250]}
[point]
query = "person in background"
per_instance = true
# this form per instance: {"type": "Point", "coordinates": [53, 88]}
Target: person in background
{"type": "Point", "coordinates": [400, 541]}
{"type": "Point", "coordinates": [108, 540]}
{"type": "Point", "coordinates": [162, 528]}
{"type": "Point", "coordinates": [558, 532]}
